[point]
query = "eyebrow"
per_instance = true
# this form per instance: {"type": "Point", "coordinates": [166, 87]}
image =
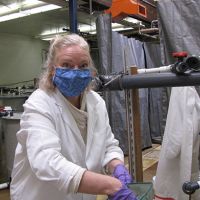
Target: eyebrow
{"type": "Point", "coordinates": [70, 61]}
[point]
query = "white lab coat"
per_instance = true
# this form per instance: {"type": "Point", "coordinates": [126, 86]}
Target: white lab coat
{"type": "Point", "coordinates": [51, 149]}
{"type": "Point", "coordinates": [178, 161]}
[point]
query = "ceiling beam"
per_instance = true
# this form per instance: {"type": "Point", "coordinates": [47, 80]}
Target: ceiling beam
{"type": "Point", "coordinates": [106, 3]}
{"type": "Point", "coordinates": [61, 3]}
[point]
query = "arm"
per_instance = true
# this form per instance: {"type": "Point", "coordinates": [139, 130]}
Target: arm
{"type": "Point", "coordinates": [103, 184]}
{"type": "Point", "coordinates": [93, 183]}
{"type": "Point", "coordinates": [42, 146]}
{"type": "Point", "coordinates": [106, 184]}
{"type": "Point", "coordinates": [114, 157]}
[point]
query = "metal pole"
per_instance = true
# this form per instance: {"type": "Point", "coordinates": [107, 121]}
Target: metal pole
{"type": "Point", "coordinates": [73, 16]}
{"type": "Point", "coordinates": [152, 81]}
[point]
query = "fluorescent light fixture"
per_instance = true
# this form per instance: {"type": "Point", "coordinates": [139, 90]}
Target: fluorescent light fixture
{"type": "Point", "coordinates": [122, 29]}
{"type": "Point", "coordinates": [28, 12]}
{"type": "Point", "coordinates": [53, 31]}
{"type": "Point", "coordinates": [47, 38]}
{"type": "Point", "coordinates": [132, 20]}
{"type": "Point", "coordinates": [5, 9]}
{"type": "Point", "coordinates": [31, 2]}
{"type": "Point", "coordinates": [87, 28]}
{"type": "Point", "coordinates": [49, 34]}
{"type": "Point", "coordinates": [16, 7]}
{"type": "Point", "coordinates": [92, 28]}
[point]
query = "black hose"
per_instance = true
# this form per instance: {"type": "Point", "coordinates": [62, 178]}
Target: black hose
{"type": "Point", "coordinates": [190, 187]}
{"type": "Point", "coordinates": [193, 62]}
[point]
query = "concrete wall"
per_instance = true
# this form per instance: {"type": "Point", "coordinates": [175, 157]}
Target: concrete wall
{"type": "Point", "coordinates": [21, 58]}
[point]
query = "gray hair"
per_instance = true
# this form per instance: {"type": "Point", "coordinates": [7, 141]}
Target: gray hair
{"type": "Point", "coordinates": [57, 43]}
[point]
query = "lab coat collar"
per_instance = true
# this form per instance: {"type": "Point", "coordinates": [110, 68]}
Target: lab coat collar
{"type": "Point", "coordinates": [90, 100]}
{"type": "Point", "coordinates": [68, 118]}
{"type": "Point", "coordinates": [91, 104]}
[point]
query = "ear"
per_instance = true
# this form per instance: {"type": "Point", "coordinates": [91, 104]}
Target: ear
{"type": "Point", "coordinates": [94, 73]}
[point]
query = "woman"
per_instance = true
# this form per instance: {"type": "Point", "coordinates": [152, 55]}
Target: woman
{"type": "Point", "coordinates": [65, 142]}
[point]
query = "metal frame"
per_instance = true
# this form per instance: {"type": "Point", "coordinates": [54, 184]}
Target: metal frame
{"type": "Point", "coordinates": [73, 16]}
{"type": "Point", "coordinates": [130, 83]}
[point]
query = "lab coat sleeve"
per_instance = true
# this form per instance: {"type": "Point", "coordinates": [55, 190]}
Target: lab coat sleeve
{"type": "Point", "coordinates": [177, 152]}
{"type": "Point", "coordinates": [38, 136]}
{"type": "Point", "coordinates": [173, 129]}
{"type": "Point", "coordinates": [177, 117]}
{"type": "Point", "coordinates": [113, 151]}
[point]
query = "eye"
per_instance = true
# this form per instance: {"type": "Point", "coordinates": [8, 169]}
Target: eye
{"type": "Point", "coordinates": [66, 65]}
{"type": "Point", "coordinates": [85, 65]}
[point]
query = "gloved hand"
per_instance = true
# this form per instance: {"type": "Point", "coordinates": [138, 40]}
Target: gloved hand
{"type": "Point", "coordinates": [123, 194]}
{"type": "Point", "coordinates": [120, 172]}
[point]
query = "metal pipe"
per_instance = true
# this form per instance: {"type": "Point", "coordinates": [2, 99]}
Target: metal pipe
{"type": "Point", "coordinates": [178, 68]}
{"type": "Point", "coordinates": [149, 30]}
{"type": "Point", "coordinates": [73, 16]}
{"type": "Point", "coordinates": [155, 70]}
{"type": "Point", "coordinates": [152, 81]}
{"type": "Point", "coordinates": [4, 185]}
{"type": "Point", "coordinates": [149, 3]}
{"type": "Point", "coordinates": [90, 3]}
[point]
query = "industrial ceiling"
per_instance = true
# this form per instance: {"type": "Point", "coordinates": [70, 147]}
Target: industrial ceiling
{"type": "Point", "coordinates": [87, 11]}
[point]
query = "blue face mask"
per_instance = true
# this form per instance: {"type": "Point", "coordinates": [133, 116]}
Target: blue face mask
{"type": "Point", "coordinates": [71, 82]}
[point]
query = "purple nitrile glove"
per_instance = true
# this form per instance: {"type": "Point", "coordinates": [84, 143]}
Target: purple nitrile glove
{"type": "Point", "coordinates": [120, 172]}
{"type": "Point", "coordinates": [123, 194]}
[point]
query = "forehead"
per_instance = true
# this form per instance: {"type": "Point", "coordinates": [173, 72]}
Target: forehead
{"type": "Point", "coordinates": [72, 52]}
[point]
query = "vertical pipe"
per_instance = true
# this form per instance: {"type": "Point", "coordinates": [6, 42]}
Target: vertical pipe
{"type": "Point", "coordinates": [73, 16]}
{"type": "Point", "coordinates": [90, 2]}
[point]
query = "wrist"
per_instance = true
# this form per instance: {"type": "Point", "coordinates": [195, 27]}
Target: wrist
{"type": "Point", "coordinates": [115, 186]}
{"type": "Point", "coordinates": [113, 164]}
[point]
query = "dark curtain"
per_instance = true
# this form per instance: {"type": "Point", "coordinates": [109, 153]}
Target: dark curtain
{"type": "Point", "coordinates": [127, 52]}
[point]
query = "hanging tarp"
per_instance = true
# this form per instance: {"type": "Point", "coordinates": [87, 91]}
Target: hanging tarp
{"type": "Point", "coordinates": [105, 54]}
{"type": "Point", "coordinates": [179, 27]}
{"type": "Point", "coordinates": [158, 97]}
{"type": "Point", "coordinates": [128, 52]}
{"type": "Point", "coordinates": [104, 43]}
